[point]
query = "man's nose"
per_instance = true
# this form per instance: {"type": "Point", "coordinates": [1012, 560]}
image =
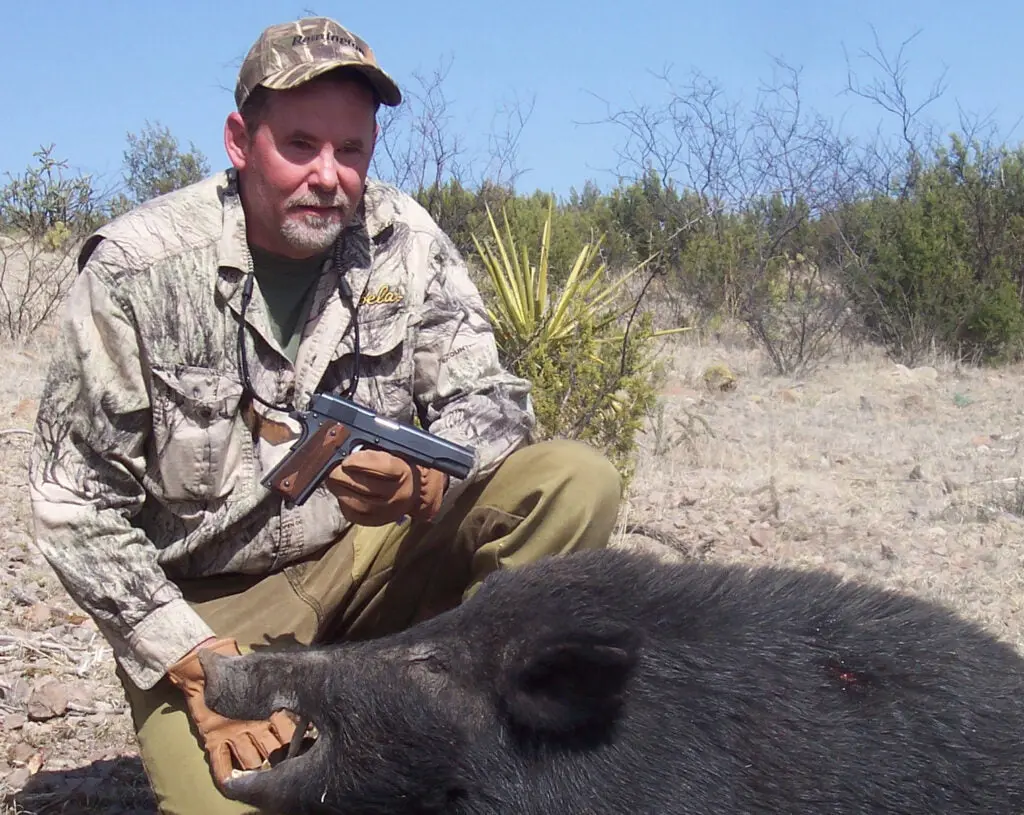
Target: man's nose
{"type": "Point", "coordinates": [325, 170]}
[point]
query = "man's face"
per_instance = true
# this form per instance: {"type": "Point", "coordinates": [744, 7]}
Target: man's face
{"type": "Point", "coordinates": [302, 171]}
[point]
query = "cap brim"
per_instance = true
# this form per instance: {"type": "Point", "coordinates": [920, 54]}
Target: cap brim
{"type": "Point", "coordinates": [295, 76]}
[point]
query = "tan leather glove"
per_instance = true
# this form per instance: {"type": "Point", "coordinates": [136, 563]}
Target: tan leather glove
{"type": "Point", "coordinates": [376, 488]}
{"type": "Point", "coordinates": [247, 743]}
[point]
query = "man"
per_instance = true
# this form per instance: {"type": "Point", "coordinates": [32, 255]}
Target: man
{"type": "Point", "coordinates": [197, 322]}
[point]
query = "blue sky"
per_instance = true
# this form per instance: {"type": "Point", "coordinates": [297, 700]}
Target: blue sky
{"type": "Point", "coordinates": [89, 72]}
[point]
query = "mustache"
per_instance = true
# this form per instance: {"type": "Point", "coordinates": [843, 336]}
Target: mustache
{"type": "Point", "coordinates": [338, 199]}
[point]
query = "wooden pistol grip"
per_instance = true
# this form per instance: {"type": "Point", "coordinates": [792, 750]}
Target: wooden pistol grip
{"type": "Point", "coordinates": [303, 468]}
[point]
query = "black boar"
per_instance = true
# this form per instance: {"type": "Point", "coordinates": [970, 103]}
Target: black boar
{"type": "Point", "coordinates": [607, 682]}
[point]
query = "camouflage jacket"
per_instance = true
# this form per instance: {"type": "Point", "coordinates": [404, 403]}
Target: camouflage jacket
{"type": "Point", "coordinates": [148, 454]}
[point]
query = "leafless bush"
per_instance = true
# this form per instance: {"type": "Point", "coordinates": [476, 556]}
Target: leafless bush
{"type": "Point", "coordinates": [799, 322]}
{"type": "Point", "coordinates": [33, 282]}
{"type": "Point", "coordinates": [45, 213]}
{"type": "Point", "coordinates": [419, 149]}
{"type": "Point", "coordinates": [775, 180]}
{"type": "Point", "coordinates": [764, 178]}
{"type": "Point", "coordinates": [893, 163]}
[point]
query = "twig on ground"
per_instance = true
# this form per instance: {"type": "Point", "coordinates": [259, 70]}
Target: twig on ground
{"type": "Point", "coordinates": [659, 535]}
{"type": "Point", "coordinates": [44, 645]}
{"type": "Point", "coordinates": [15, 431]}
{"type": "Point", "coordinates": [84, 710]}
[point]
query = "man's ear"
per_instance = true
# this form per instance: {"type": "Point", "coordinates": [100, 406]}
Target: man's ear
{"type": "Point", "coordinates": [236, 140]}
{"type": "Point", "coordinates": [374, 137]}
{"type": "Point", "coordinates": [570, 680]}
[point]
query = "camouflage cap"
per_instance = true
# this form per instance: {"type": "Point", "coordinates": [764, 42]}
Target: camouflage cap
{"type": "Point", "coordinates": [288, 54]}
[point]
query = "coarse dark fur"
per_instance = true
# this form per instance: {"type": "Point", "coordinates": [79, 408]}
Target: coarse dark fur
{"type": "Point", "coordinates": [609, 682]}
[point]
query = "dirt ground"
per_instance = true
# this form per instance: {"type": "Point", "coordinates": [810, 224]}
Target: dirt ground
{"type": "Point", "coordinates": [908, 478]}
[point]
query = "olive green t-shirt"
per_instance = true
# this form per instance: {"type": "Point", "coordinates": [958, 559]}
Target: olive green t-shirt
{"type": "Point", "coordinates": [287, 286]}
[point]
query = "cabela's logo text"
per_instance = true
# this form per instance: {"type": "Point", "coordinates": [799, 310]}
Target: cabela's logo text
{"type": "Point", "coordinates": [384, 295]}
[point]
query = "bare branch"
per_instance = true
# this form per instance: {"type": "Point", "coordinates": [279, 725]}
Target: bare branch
{"type": "Point", "coordinates": [888, 90]}
{"type": "Point", "coordinates": [416, 149]}
{"type": "Point", "coordinates": [503, 167]}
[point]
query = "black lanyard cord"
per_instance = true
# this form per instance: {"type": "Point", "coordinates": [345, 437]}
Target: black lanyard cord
{"type": "Point", "coordinates": [346, 294]}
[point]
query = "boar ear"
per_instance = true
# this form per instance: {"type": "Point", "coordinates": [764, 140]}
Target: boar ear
{"type": "Point", "coordinates": [570, 680]}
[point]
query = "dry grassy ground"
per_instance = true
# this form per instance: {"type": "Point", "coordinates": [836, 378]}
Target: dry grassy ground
{"type": "Point", "coordinates": [904, 477]}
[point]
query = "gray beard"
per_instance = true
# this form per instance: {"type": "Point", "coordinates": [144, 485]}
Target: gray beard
{"type": "Point", "coordinates": [311, 233]}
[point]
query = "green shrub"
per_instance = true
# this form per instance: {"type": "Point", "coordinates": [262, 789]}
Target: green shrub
{"type": "Point", "coordinates": [920, 288]}
{"type": "Point", "coordinates": [589, 359]}
{"type": "Point", "coordinates": [583, 392]}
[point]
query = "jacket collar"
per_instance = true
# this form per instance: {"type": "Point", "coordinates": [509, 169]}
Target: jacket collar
{"type": "Point", "coordinates": [233, 257]}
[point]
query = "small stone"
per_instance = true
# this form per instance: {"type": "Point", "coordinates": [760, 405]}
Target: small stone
{"type": "Point", "coordinates": [20, 753]}
{"type": "Point", "coordinates": [49, 699]}
{"type": "Point", "coordinates": [14, 721]}
{"type": "Point", "coordinates": [82, 634]}
{"type": "Point", "coordinates": [23, 596]}
{"type": "Point", "coordinates": [912, 402]}
{"type": "Point", "coordinates": [38, 615]}
{"type": "Point", "coordinates": [17, 692]}
{"type": "Point", "coordinates": [18, 778]}
{"type": "Point", "coordinates": [81, 693]}
{"type": "Point", "coordinates": [33, 731]}
{"type": "Point", "coordinates": [34, 764]}
{"type": "Point", "coordinates": [17, 556]}
{"type": "Point", "coordinates": [762, 538]}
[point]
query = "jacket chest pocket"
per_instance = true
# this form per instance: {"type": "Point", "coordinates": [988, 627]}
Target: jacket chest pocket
{"type": "Point", "coordinates": [385, 366]}
{"type": "Point", "coordinates": [197, 432]}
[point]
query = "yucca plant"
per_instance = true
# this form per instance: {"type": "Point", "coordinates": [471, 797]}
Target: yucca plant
{"type": "Point", "coordinates": [592, 380]}
{"type": "Point", "coordinates": [527, 311]}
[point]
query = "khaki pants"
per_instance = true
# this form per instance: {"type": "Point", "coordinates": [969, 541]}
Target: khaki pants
{"type": "Point", "coordinates": [547, 499]}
